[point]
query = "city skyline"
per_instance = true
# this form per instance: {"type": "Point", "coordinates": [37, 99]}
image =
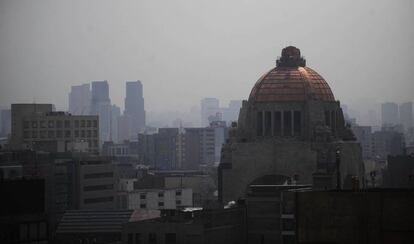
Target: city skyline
{"type": "Point", "coordinates": [194, 56]}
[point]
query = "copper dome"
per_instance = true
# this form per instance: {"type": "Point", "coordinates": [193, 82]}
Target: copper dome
{"type": "Point", "coordinates": [291, 81]}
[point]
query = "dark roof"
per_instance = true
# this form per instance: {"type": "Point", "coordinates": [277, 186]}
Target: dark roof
{"type": "Point", "coordinates": [93, 221]}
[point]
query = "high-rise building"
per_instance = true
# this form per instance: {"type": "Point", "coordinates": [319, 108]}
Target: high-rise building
{"type": "Point", "coordinates": [101, 106]}
{"type": "Point", "coordinates": [5, 122]}
{"type": "Point", "coordinates": [115, 114]}
{"type": "Point", "coordinates": [406, 115]}
{"type": "Point", "coordinates": [231, 113]}
{"type": "Point", "coordinates": [80, 100]}
{"type": "Point", "coordinates": [389, 114]}
{"type": "Point", "coordinates": [134, 107]}
{"type": "Point", "coordinates": [209, 107]}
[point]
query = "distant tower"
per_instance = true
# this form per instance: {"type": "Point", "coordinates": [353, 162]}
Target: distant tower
{"type": "Point", "coordinates": [134, 107]}
{"type": "Point", "coordinates": [80, 99]}
{"type": "Point", "coordinates": [389, 114]}
{"type": "Point", "coordinates": [101, 106]}
{"type": "Point", "coordinates": [209, 107]}
{"type": "Point", "coordinates": [406, 115]}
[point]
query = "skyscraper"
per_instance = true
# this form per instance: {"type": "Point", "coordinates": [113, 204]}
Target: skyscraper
{"type": "Point", "coordinates": [134, 106]}
{"type": "Point", "coordinates": [406, 115]}
{"type": "Point", "coordinates": [389, 114]}
{"type": "Point", "coordinates": [80, 99]}
{"type": "Point", "coordinates": [101, 106]}
{"type": "Point", "coordinates": [209, 107]}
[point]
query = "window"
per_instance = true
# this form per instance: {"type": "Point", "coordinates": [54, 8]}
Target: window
{"type": "Point", "coordinates": [130, 238]}
{"type": "Point", "coordinates": [42, 124]}
{"type": "Point", "coordinates": [160, 194]}
{"type": "Point", "coordinates": [26, 124]}
{"type": "Point", "coordinates": [287, 123]}
{"type": "Point", "coordinates": [26, 134]}
{"type": "Point", "coordinates": [51, 134]}
{"type": "Point", "coordinates": [152, 238]}
{"type": "Point", "coordinates": [142, 196]}
{"type": "Point", "coordinates": [137, 238]}
{"type": "Point", "coordinates": [178, 193]}
{"type": "Point", "coordinates": [297, 124]}
{"type": "Point", "coordinates": [95, 124]}
{"type": "Point", "coordinates": [268, 123]}
{"type": "Point", "coordinates": [278, 123]}
{"type": "Point", "coordinates": [58, 123]}
{"type": "Point", "coordinates": [98, 175]}
{"type": "Point", "coordinates": [89, 133]}
{"type": "Point", "coordinates": [88, 123]}
{"type": "Point", "coordinates": [178, 202]}
{"type": "Point", "coordinates": [76, 123]}
{"type": "Point", "coordinates": [142, 205]}
{"type": "Point", "coordinates": [98, 187]}
{"type": "Point", "coordinates": [160, 204]}
{"type": "Point", "coordinates": [67, 133]}
{"type": "Point", "coordinates": [34, 134]}
{"type": "Point", "coordinates": [67, 123]}
{"type": "Point", "coordinates": [76, 133]}
{"type": "Point", "coordinates": [98, 200]}
{"type": "Point", "coordinates": [59, 134]}
{"type": "Point", "coordinates": [34, 124]}
{"type": "Point", "coordinates": [95, 133]}
{"type": "Point", "coordinates": [51, 124]}
{"type": "Point", "coordinates": [82, 133]}
{"type": "Point", "coordinates": [259, 123]}
{"type": "Point", "coordinates": [82, 123]}
{"type": "Point", "coordinates": [170, 238]}
{"type": "Point", "coordinates": [42, 134]}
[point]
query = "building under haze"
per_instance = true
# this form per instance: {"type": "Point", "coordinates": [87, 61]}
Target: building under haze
{"type": "Point", "coordinates": [134, 107]}
{"type": "Point", "coordinates": [406, 115]}
{"type": "Point", "coordinates": [80, 99]}
{"type": "Point", "coordinates": [37, 127]}
{"type": "Point", "coordinates": [5, 122]}
{"type": "Point", "coordinates": [290, 128]}
{"type": "Point", "coordinates": [389, 114]}
{"type": "Point", "coordinates": [209, 107]}
{"type": "Point", "coordinates": [101, 106]}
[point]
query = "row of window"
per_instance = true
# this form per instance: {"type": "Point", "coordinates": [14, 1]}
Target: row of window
{"type": "Point", "coordinates": [143, 196]}
{"type": "Point", "coordinates": [99, 187]}
{"type": "Point", "coordinates": [98, 200]}
{"type": "Point", "coordinates": [170, 238]}
{"type": "Point", "coordinates": [60, 124]}
{"type": "Point", "coordinates": [160, 204]}
{"type": "Point", "coordinates": [60, 134]}
{"type": "Point", "coordinates": [279, 123]}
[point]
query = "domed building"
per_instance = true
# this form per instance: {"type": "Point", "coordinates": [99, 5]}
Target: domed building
{"type": "Point", "coordinates": [291, 129]}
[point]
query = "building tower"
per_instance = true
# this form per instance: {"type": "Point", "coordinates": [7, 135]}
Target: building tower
{"type": "Point", "coordinates": [101, 106]}
{"type": "Point", "coordinates": [389, 114]}
{"type": "Point", "coordinates": [80, 99]}
{"type": "Point", "coordinates": [134, 107]}
{"type": "Point", "coordinates": [406, 115]}
{"type": "Point", "coordinates": [289, 130]}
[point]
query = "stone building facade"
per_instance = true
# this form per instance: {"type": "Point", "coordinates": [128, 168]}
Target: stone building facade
{"type": "Point", "coordinates": [291, 127]}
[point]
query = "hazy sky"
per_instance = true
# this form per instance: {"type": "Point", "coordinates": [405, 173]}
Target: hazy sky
{"type": "Point", "coordinates": [184, 50]}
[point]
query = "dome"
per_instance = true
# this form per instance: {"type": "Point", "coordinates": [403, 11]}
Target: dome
{"type": "Point", "coordinates": [291, 81]}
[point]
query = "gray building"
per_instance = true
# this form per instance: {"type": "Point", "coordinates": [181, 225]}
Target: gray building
{"type": "Point", "coordinates": [364, 137]}
{"type": "Point", "coordinates": [209, 107]}
{"type": "Point", "coordinates": [5, 122]}
{"type": "Point", "coordinates": [80, 99]}
{"type": "Point", "coordinates": [406, 115]}
{"type": "Point", "coordinates": [101, 106]}
{"type": "Point", "coordinates": [36, 126]}
{"type": "Point", "coordinates": [134, 107]}
{"type": "Point", "coordinates": [389, 114]}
